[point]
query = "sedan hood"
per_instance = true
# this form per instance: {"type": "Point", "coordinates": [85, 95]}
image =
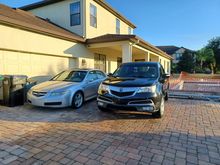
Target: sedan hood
{"type": "Point", "coordinates": [53, 85]}
{"type": "Point", "coordinates": [129, 82]}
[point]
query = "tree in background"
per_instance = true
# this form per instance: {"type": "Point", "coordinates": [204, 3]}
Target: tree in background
{"type": "Point", "coordinates": [206, 58]}
{"type": "Point", "coordinates": [186, 62]}
{"type": "Point", "coordinates": [214, 44]}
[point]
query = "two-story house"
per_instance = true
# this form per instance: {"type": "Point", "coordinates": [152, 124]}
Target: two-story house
{"type": "Point", "coordinates": [176, 52]}
{"type": "Point", "coordinates": [52, 35]}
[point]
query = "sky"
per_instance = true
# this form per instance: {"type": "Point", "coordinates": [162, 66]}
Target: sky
{"type": "Point", "coordinates": [187, 23]}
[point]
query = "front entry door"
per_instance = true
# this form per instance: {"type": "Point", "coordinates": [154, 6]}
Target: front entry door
{"type": "Point", "coordinates": [100, 62]}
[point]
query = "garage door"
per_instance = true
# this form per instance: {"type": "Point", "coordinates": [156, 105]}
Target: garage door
{"type": "Point", "coordinates": [33, 65]}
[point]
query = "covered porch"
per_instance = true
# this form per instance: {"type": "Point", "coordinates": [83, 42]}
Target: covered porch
{"type": "Point", "coordinates": [110, 52]}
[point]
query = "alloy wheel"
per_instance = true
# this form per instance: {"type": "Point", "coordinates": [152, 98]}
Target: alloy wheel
{"type": "Point", "coordinates": [78, 100]}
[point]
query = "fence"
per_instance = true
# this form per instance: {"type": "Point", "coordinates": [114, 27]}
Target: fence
{"type": "Point", "coordinates": [195, 83]}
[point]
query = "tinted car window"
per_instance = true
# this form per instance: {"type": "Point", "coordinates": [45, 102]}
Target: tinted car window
{"type": "Point", "coordinates": [162, 72]}
{"type": "Point", "coordinates": [92, 76]}
{"type": "Point", "coordinates": [100, 75]}
{"type": "Point", "coordinates": [137, 70]}
{"type": "Point", "coordinates": [72, 76]}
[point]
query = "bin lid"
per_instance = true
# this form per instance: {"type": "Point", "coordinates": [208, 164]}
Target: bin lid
{"type": "Point", "coordinates": [17, 79]}
{"type": "Point", "coordinates": [1, 77]}
{"type": "Point", "coordinates": [16, 76]}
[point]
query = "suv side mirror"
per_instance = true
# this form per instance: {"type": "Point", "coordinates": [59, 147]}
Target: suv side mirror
{"type": "Point", "coordinates": [166, 76]}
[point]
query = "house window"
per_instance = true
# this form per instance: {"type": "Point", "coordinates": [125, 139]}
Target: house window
{"type": "Point", "coordinates": [129, 30]}
{"type": "Point", "coordinates": [93, 16]}
{"type": "Point", "coordinates": [75, 18]}
{"type": "Point", "coordinates": [178, 56]}
{"type": "Point", "coordinates": [117, 26]}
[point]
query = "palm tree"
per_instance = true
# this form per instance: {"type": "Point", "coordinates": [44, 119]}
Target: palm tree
{"type": "Point", "coordinates": [206, 55]}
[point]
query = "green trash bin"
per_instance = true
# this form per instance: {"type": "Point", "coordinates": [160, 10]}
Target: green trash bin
{"type": "Point", "coordinates": [14, 90]}
{"type": "Point", "coordinates": [1, 89]}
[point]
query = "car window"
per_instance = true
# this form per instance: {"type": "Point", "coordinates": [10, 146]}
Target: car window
{"type": "Point", "coordinates": [71, 76]}
{"type": "Point", "coordinates": [162, 72]}
{"type": "Point", "coordinates": [137, 70]}
{"type": "Point", "coordinates": [100, 75]}
{"type": "Point", "coordinates": [92, 76]}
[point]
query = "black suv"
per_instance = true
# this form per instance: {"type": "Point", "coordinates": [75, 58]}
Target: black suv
{"type": "Point", "coordinates": [139, 86]}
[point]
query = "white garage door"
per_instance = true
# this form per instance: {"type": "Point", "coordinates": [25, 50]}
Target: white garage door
{"type": "Point", "coordinates": [33, 65]}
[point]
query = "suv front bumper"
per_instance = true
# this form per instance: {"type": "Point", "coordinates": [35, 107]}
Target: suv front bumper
{"type": "Point", "coordinates": [144, 102]}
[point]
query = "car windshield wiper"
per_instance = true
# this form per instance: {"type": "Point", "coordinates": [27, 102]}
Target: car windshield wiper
{"type": "Point", "coordinates": [139, 76]}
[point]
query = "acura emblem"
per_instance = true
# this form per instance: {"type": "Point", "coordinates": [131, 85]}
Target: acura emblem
{"type": "Point", "coordinates": [121, 89]}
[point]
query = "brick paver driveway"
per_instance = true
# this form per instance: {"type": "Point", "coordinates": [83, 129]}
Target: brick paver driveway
{"type": "Point", "coordinates": [188, 134]}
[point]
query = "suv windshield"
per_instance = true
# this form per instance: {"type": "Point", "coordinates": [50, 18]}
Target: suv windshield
{"type": "Point", "coordinates": [72, 76]}
{"type": "Point", "coordinates": [137, 70]}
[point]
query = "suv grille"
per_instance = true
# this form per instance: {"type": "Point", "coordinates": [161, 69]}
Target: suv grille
{"type": "Point", "coordinates": [122, 94]}
{"type": "Point", "coordinates": [39, 94]}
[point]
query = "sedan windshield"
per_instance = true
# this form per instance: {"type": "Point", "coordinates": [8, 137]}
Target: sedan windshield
{"type": "Point", "coordinates": [71, 76]}
{"type": "Point", "coordinates": [137, 71]}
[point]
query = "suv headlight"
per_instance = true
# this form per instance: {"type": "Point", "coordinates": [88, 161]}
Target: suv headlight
{"type": "Point", "coordinates": [150, 89]}
{"type": "Point", "coordinates": [60, 93]}
{"type": "Point", "coordinates": [30, 91]}
{"type": "Point", "coordinates": [103, 89]}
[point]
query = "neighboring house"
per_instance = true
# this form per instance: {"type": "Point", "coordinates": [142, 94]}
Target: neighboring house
{"type": "Point", "coordinates": [47, 37]}
{"type": "Point", "coordinates": [176, 52]}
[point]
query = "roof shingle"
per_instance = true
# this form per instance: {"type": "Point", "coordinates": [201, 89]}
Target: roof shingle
{"type": "Point", "coordinates": [30, 22]}
{"type": "Point", "coordinates": [124, 37]}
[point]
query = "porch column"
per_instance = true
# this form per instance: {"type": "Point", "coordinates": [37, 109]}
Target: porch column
{"type": "Point", "coordinates": [126, 53]}
{"type": "Point", "coordinates": [169, 67]}
{"type": "Point", "coordinates": [147, 57]}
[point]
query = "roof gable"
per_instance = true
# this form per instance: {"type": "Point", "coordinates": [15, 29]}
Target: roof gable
{"type": "Point", "coordinates": [100, 2]}
{"type": "Point", "coordinates": [169, 49]}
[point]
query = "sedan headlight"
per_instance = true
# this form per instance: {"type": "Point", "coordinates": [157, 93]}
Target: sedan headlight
{"type": "Point", "coordinates": [103, 89]}
{"type": "Point", "coordinates": [150, 89]}
{"type": "Point", "coordinates": [60, 93]}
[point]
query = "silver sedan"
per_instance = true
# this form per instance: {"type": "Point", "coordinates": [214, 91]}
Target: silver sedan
{"type": "Point", "coordinates": [69, 88]}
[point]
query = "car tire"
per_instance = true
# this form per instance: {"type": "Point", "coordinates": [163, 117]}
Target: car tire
{"type": "Point", "coordinates": [166, 96]}
{"type": "Point", "coordinates": [103, 109]}
{"type": "Point", "coordinates": [160, 112]}
{"type": "Point", "coordinates": [78, 100]}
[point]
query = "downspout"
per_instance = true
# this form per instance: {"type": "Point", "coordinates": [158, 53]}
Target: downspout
{"type": "Point", "coordinates": [84, 18]}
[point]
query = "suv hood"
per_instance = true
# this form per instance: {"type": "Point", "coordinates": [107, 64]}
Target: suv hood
{"type": "Point", "coordinates": [53, 86]}
{"type": "Point", "coordinates": [129, 82]}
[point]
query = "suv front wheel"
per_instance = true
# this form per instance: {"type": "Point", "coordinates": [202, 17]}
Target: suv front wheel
{"type": "Point", "coordinates": [160, 112]}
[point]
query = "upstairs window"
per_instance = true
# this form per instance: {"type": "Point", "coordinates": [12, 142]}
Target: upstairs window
{"type": "Point", "coordinates": [117, 26]}
{"type": "Point", "coordinates": [93, 16]}
{"type": "Point", "coordinates": [178, 56]}
{"type": "Point", "coordinates": [75, 18]}
{"type": "Point", "coordinates": [129, 30]}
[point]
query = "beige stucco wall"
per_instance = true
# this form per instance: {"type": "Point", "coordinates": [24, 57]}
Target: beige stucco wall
{"type": "Point", "coordinates": [35, 54]}
{"type": "Point", "coordinates": [106, 22]}
{"type": "Point", "coordinates": [59, 13]}
{"type": "Point", "coordinates": [32, 64]}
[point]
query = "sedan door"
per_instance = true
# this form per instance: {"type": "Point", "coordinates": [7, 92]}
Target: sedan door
{"type": "Point", "coordinates": [91, 86]}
